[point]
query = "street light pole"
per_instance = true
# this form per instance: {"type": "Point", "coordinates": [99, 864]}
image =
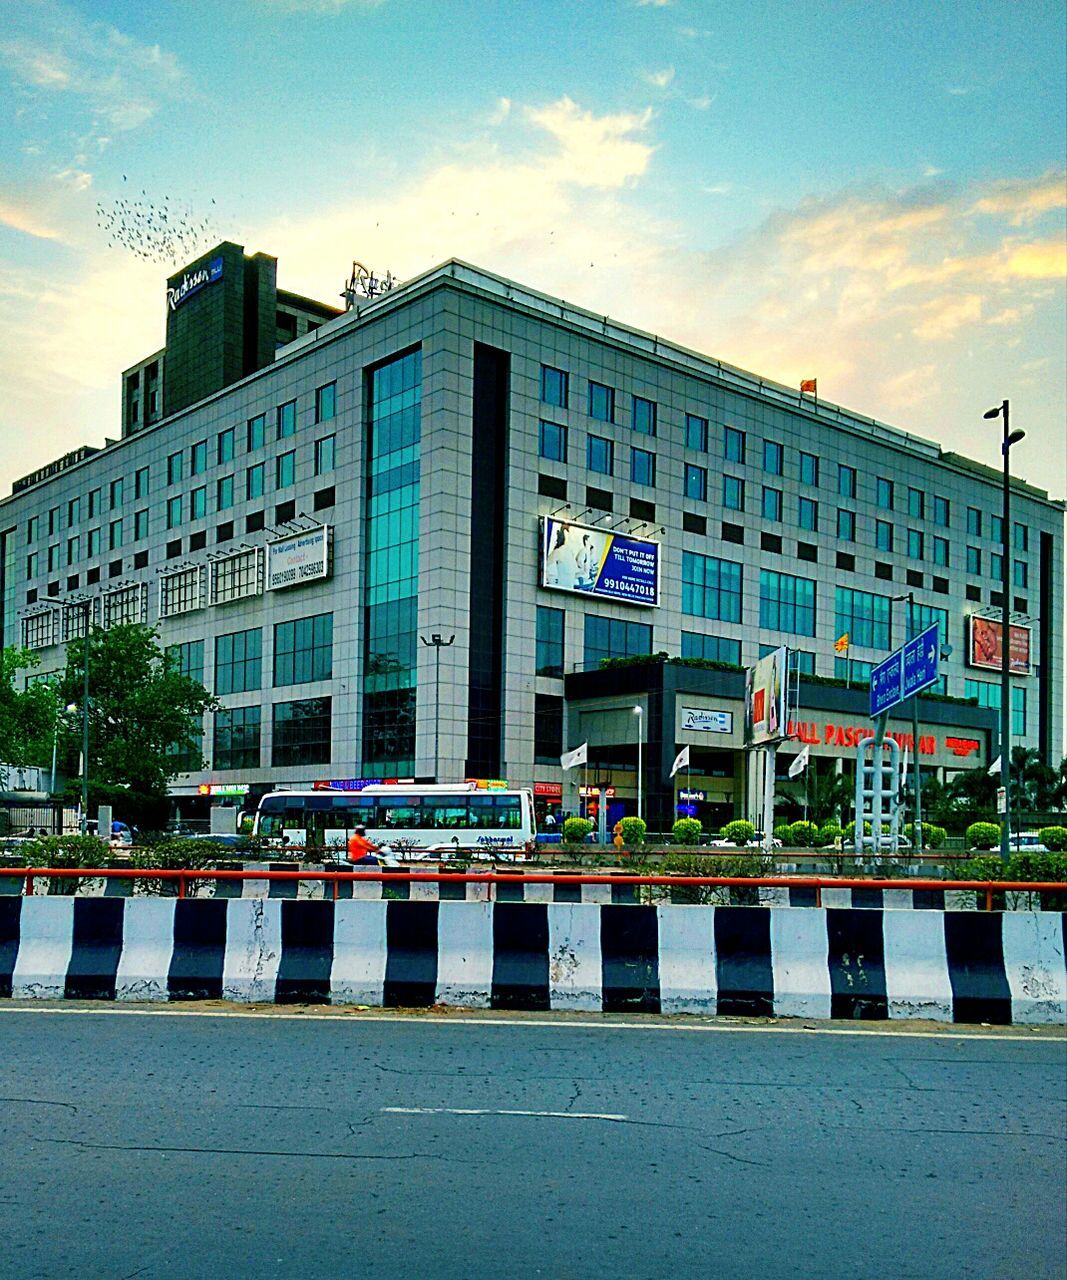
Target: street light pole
{"type": "Point", "coordinates": [640, 714]}
{"type": "Point", "coordinates": [1007, 440]}
{"type": "Point", "coordinates": [87, 605]}
{"type": "Point", "coordinates": [437, 643]}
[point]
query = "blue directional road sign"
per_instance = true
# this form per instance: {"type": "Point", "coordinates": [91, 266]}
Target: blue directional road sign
{"type": "Point", "coordinates": [920, 662]}
{"type": "Point", "coordinates": [886, 683]}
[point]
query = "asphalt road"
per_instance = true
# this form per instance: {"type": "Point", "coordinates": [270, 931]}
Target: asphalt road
{"type": "Point", "coordinates": [198, 1146]}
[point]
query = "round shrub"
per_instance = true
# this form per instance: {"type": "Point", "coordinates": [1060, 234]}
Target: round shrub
{"type": "Point", "coordinates": [849, 831]}
{"type": "Point", "coordinates": [1054, 838]}
{"type": "Point", "coordinates": [934, 836]}
{"type": "Point", "coordinates": [829, 832]}
{"type": "Point", "coordinates": [687, 831]}
{"type": "Point", "coordinates": [739, 832]}
{"type": "Point", "coordinates": [575, 830]}
{"type": "Point", "coordinates": [802, 835]}
{"type": "Point", "coordinates": [983, 835]}
{"type": "Point", "coordinates": [781, 830]}
{"type": "Point", "coordinates": [633, 831]}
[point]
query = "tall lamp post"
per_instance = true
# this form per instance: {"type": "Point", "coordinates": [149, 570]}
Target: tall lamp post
{"type": "Point", "coordinates": [87, 606]}
{"type": "Point", "coordinates": [639, 712]}
{"type": "Point", "coordinates": [437, 643]}
{"type": "Point", "coordinates": [1008, 438]}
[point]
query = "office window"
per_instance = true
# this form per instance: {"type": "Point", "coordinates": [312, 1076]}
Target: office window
{"type": "Point", "coordinates": [286, 420]}
{"type": "Point", "coordinates": [174, 468]}
{"type": "Point", "coordinates": [326, 402]}
{"type": "Point", "coordinates": [92, 542]}
{"type": "Point", "coordinates": [238, 661]}
{"type": "Point", "coordinates": [257, 431]}
{"type": "Point", "coordinates": [996, 566]}
{"type": "Point", "coordinates": [642, 467]}
{"type": "Point", "coordinates": [1022, 574]}
{"type": "Point", "coordinates": [1022, 538]}
{"type": "Point", "coordinates": [883, 493]}
{"type": "Point", "coordinates": [140, 483]}
{"type": "Point", "coordinates": [846, 525]}
{"type": "Point", "coordinates": [916, 544]}
{"type": "Point", "coordinates": [644, 416]}
{"type": "Point", "coordinates": [846, 481]}
{"type": "Point", "coordinates": [285, 470]}
{"type": "Point", "coordinates": [94, 498]}
{"type": "Point", "coordinates": [974, 560]}
{"type": "Point", "coordinates": [73, 550]}
{"type": "Point", "coordinates": [601, 402]}
{"type": "Point", "coordinates": [802, 661]}
{"type": "Point", "coordinates": [198, 503]}
{"type": "Point", "coordinates": [174, 512]}
{"type": "Point", "coordinates": [865, 616]}
{"type": "Point", "coordinates": [53, 557]}
{"type": "Point", "coordinates": [552, 441]}
{"type": "Point", "coordinates": [301, 732]}
{"type": "Point", "coordinates": [31, 565]}
{"type": "Point", "coordinates": [140, 523]}
{"type": "Point", "coordinates": [809, 469]}
{"type": "Point", "coordinates": [115, 492]}
{"type": "Point", "coordinates": [733, 493]}
{"type": "Point", "coordinates": [940, 550]}
{"type": "Point", "coordinates": [974, 522]}
{"type": "Point", "coordinates": [696, 432]}
{"type": "Point", "coordinates": [549, 653]}
{"type": "Point", "coordinates": [254, 477]}
{"type": "Point", "coordinates": [614, 638]}
{"type": "Point", "coordinates": [553, 386]}
{"type": "Point", "coordinates": [224, 447]}
{"type": "Point", "coordinates": [996, 529]}
{"type": "Point", "coordinates": [324, 454]}
{"type": "Point", "coordinates": [74, 512]}
{"type": "Point", "coordinates": [600, 455]}
{"type": "Point", "coordinates": [548, 728]}
{"type": "Point", "coordinates": [733, 444]}
{"type": "Point", "coordinates": [711, 588]}
{"type": "Point", "coordinates": [33, 525]}
{"type": "Point", "coordinates": [711, 648]}
{"type": "Point", "coordinates": [916, 504]}
{"type": "Point", "coordinates": [853, 670]}
{"type": "Point", "coordinates": [987, 694]}
{"type": "Point", "coordinates": [303, 650]}
{"type": "Point", "coordinates": [114, 540]}
{"type": "Point", "coordinates": [921, 616]}
{"type": "Point", "coordinates": [786, 603]}
{"type": "Point", "coordinates": [808, 514]}
{"type": "Point", "coordinates": [224, 493]}
{"type": "Point", "coordinates": [883, 535]}
{"type": "Point", "coordinates": [696, 483]}
{"type": "Point", "coordinates": [236, 739]}
{"type": "Point", "coordinates": [198, 458]}
{"type": "Point", "coordinates": [772, 457]}
{"type": "Point", "coordinates": [772, 503]}
{"type": "Point", "coordinates": [53, 521]}
{"type": "Point", "coordinates": [941, 511]}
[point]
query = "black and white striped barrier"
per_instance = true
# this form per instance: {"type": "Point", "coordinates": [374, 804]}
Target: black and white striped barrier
{"type": "Point", "coordinates": [820, 963]}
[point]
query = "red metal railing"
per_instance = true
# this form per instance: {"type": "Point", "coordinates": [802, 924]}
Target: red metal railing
{"type": "Point", "coordinates": [335, 878]}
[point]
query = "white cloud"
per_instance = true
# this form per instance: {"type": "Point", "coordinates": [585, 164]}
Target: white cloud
{"type": "Point", "coordinates": [659, 79]}
{"type": "Point", "coordinates": [702, 103]}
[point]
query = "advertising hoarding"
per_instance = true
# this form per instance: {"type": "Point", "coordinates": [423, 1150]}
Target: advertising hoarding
{"type": "Point", "coordinates": [700, 720]}
{"type": "Point", "coordinates": [765, 698]}
{"type": "Point", "coordinates": [595, 562]}
{"type": "Point", "coordinates": [985, 645]}
{"type": "Point", "coordinates": [301, 557]}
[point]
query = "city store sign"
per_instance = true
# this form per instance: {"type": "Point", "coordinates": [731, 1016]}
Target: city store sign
{"type": "Point", "coordinates": [193, 281]}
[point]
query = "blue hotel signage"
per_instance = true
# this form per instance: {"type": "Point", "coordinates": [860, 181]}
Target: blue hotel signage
{"type": "Point", "coordinates": [193, 281]}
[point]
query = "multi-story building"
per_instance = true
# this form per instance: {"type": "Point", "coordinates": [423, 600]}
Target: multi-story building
{"type": "Point", "coordinates": [445, 460]}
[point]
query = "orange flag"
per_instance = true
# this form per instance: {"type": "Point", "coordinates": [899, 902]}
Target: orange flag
{"type": "Point", "coordinates": [809, 386]}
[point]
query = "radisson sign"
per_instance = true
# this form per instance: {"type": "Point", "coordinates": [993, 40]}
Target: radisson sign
{"type": "Point", "coordinates": [192, 281]}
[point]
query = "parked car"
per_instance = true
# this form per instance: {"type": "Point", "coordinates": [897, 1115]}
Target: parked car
{"type": "Point", "coordinates": [1027, 842]}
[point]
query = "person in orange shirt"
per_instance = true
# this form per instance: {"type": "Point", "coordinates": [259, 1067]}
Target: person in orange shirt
{"type": "Point", "coordinates": [361, 850]}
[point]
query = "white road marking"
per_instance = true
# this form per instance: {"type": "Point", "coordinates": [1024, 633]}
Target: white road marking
{"type": "Point", "coordinates": [493, 1111]}
{"type": "Point", "coordinates": [561, 1023]}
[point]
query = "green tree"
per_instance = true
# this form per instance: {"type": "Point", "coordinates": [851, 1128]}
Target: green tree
{"type": "Point", "coordinates": [829, 794]}
{"type": "Point", "coordinates": [27, 716]}
{"type": "Point", "coordinates": [1033, 783]}
{"type": "Point", "coordinates": [141, 710]}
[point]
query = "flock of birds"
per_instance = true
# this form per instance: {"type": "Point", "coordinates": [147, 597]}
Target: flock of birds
{"type": "Point", "coordinates": [162, 230]}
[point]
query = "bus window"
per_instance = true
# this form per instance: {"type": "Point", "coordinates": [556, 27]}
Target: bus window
{"type": "Point", "coordinates": [444, 812]}
{"type": "Point", "coordinates": [398, 813]}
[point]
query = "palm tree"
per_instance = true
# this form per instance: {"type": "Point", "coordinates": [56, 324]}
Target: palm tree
{"type": "Point", "coordinates": [829, 794]}
{"type": "Point", "coordinates": [1033, 783]}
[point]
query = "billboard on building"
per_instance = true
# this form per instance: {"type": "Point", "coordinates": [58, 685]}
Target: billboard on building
{"type": "Point", "coordinates": [595, 562]}
{"type": "Point", "coordinates": [985, 646]}
{"type": "Point", "coordinates": [765, 698]}
{"type": "Point", "coordinates": [301, 557]}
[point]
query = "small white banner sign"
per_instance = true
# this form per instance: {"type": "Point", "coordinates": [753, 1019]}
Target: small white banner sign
{"type": "Point", "coordinates": [299, 558]}
{"type": "Point", "coordinates": [699, 720]}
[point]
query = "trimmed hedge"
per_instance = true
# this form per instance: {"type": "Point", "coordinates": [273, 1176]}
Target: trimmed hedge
{"type": "Point", "coordinates": [739, 832]}
{"type": "Point", "coordinates": [687, 831]}
{"type": "Point", "coordinates": [983, 835]}
{"type": "Point", "coordinates": [575, 830]}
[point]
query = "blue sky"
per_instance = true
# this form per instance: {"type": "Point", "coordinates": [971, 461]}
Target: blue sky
{"type": "Point", "coordinates": [872, 194]}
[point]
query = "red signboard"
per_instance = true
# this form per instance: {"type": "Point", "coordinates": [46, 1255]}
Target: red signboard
{"type": "Point", "coordinates": [985, 647]}
{"type": "Point", "coordinates": [550, 790]}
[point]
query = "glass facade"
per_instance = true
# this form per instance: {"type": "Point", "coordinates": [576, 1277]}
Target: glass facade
{"type": "Point", "coordinates": [390, 630]}
{"type": "Point", "coordinates": [865, 616]}
{"type": "Point", "coordinates": [236, 744]}
{"type": "Point", "coordinates": [711, 588]}
{"type": "Point", "coordinates": [549, 660]}
{"type": "Point", "coordinates": [711, 648]}
{"type": "Point", "coordinates": [303, 650]}
{"type": "Point", "coordinates": [786, 603]}
{"type": "Point", "coordinates": [238, 661]}
{"type": "Point", "coordinates": [552, 442]}
{"type": "Point", "coordinates": [302, 732]}
{"type": "Point", "coordinates": [613, 638]}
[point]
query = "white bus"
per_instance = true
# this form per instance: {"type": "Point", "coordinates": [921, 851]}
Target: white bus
{"type": "Point", "coordinates": [413, 821]}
